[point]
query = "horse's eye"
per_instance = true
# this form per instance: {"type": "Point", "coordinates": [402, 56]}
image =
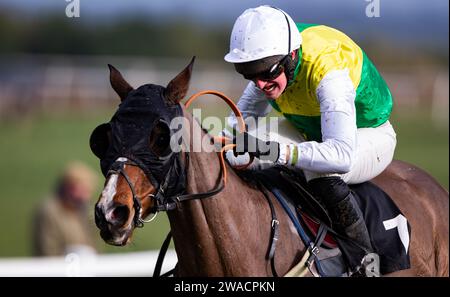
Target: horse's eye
{"type": "Point", "coordinates": [160, 139]}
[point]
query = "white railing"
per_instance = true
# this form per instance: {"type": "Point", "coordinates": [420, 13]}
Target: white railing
{"type": "Point", "coordinates": [41, 82]}
{"type": "Point", "coordinates": [73, 264]}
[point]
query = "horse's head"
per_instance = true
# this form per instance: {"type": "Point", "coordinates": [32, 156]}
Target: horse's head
{"type": "Point", "coordinates": [136, 157]}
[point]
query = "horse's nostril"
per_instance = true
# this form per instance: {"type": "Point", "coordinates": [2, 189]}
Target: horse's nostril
{"type": "Point", "coordinates": [99, 217]}
{"type": "Point", "coordinates": [120, 214]}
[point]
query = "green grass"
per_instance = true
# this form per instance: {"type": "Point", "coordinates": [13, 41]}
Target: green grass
{"type": "Point", "coordinates": [34, 150]}
{"type": "Point", "coordinates": [423, 143]}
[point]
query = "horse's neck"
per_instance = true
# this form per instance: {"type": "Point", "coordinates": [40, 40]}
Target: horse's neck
{"type": "Point", "coordinates": [203, 164]}
{"type": "Point", "coordinates": [206, 231]}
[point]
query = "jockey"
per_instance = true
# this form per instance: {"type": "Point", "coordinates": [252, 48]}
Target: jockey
{"type": "Point", "coordinates": [325, 85]}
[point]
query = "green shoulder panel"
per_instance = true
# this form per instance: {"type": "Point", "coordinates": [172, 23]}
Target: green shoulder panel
{"type": "Point", "coordinates": [373, 101]}
{"type": "Point", "coordinates": [302, 26]}
{"type": "Point", "coordinates": [373, 98]}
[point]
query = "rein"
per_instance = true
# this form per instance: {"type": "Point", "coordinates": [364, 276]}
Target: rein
{"type": "Point", "coordinates": [169, 203]}
{"type": "Point", "coordinates": [227, 145]}
{"type": "Point", "coordinates": [163, 203]}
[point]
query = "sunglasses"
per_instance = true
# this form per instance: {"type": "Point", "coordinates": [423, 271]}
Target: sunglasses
{"type": "Point", "coordinates": [273, 72]}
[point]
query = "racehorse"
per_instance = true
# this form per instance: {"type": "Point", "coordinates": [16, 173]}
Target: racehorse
{"type": "Point", "coordinates": [225, 231]}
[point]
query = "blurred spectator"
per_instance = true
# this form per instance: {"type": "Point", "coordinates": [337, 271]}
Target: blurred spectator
{"type": "Point", "coordinates": [61, 224]}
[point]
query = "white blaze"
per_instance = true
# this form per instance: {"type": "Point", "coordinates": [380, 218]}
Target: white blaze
{"type": "Point", "coordinates": [108, 193]}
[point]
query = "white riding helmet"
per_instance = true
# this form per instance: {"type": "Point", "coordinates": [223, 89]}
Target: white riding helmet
{"type": "Point", "coordinates": [262, 32]}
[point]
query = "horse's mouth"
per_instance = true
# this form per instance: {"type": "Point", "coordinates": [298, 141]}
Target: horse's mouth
{"type": "Point", "coordinates": [117, 239]}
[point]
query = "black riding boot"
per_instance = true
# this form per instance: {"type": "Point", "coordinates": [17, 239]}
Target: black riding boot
{"type": "Point", "coordinates": [347, 219]}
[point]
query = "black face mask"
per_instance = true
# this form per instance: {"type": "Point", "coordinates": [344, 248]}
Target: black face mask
{"type": "Point", "coordinates": [140, 132]}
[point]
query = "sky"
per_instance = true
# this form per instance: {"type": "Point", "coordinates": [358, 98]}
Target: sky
{"type": "Point", "coordinates": [411, 20]}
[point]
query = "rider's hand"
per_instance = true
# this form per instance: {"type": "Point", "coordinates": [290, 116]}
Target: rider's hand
{"type": "Point", "coordinates": [264, 150]}
{"type": "Point", "coordinates": [244, 159]}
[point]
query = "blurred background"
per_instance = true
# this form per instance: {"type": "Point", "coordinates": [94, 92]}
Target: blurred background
{"type": "Point", "coordinates": [54, 85]}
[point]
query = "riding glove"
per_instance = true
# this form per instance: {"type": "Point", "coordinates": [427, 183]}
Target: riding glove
{"type": "Point", "coordinates": [263, 150]}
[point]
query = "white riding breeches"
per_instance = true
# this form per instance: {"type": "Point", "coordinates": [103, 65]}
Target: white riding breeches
{"type": "Point", "coordinates": [374, 152]}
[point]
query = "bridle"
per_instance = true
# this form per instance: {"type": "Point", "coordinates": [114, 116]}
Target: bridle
{"type": "Point", "coordinates": [118, 167]}
{"type": "Point", "coordinates": [162, 201]}
{"type": "Point", "coordinates": [167, 203]}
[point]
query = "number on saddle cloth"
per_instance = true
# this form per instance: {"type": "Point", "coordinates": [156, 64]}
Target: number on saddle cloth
{"type": "Point", "coordinates": [388, 228]}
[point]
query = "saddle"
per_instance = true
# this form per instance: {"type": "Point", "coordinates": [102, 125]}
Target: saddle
{"type": "Point", "coordinates": [330, 251]}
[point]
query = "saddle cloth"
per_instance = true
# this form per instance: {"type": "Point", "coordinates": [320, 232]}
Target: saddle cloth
{"type": "Point", "coordinates": [389, 230]}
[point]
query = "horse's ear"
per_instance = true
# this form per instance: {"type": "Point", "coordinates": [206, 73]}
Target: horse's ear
{"type": "Point", "coordinates": [177, 88]}
{"type": "Point", "coordinates": [118, 83]}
